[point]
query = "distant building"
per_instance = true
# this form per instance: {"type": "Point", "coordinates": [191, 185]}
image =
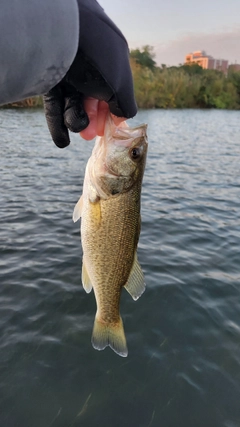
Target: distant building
{"type": "Point", "coordinates": [234, 67]}
{"type": "Point", "coordinates": [206, 61]}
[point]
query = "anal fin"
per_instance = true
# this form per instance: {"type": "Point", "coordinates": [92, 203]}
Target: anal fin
{"type": "Point", "coordinates": [135, 284]}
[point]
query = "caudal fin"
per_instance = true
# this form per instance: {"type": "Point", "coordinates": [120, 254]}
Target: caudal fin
{"type": "Point", "coordinates": [109, 334]}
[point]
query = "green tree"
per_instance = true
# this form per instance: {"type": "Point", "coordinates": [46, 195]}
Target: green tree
{"type": "Point", "coordinates": [234, 78]}
{"type": "Point", "coordinates": [144, 57]}
{"type": "Point", "coordinates": [192, 68]}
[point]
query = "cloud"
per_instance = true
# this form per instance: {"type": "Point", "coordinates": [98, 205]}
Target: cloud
{"type": "Point", "coordinates": [221, 45]}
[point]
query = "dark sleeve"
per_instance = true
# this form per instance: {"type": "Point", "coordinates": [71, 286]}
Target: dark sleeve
{"type": "Point", "coordinates": [104, 44]}
{"type": "Point", "coordinates": [38, 43]}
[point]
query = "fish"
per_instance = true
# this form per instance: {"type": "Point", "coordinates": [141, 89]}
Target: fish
{"type": "Point", "coordinates": [109, 208]}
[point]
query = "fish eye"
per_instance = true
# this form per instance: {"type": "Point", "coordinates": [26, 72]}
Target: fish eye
{"type": "Point", "coordinates": [135, 153]}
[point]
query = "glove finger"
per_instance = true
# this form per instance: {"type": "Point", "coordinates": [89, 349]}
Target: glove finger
{"type": "Point", "coordinates": [54, 111]}
{"type": "Point", "coordinates": [75, 117]}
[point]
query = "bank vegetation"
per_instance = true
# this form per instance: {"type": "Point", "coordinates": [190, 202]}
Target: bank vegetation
{"type": "Point", "coordinates": [185, 86]}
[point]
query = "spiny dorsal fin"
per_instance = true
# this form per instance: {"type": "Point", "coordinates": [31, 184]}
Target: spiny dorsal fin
{"type": "Point", "coordinates": [77, 212]}
{"type": "Point", "coordinates": [135, 284]}
{"type": "Point", "coordinates": [87, 285]}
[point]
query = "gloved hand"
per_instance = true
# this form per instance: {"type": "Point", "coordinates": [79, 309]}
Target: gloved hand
{"type": "Point", "coordinates": [100, 70]}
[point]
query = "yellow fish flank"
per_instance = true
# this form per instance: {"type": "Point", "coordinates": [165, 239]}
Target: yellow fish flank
{"type": "Point", "coordinates": [110, 225]}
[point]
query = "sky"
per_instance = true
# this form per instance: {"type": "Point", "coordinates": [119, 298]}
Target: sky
{"type": "Point", "coordinates": [177, 27]}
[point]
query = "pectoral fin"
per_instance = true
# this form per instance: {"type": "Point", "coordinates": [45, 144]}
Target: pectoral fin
{"type": "Point", "coordinates": [93, 196]}
{"type": "Point", "coordinates": [77, 213]}
{"type": "Point", "coordinates": [94, 213]}
{"type": "Point", "coordinates": [135, 284]}
{"type": "Point", "coordinates": [87, 285]}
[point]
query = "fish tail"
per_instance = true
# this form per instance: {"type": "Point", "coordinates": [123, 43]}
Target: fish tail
{"type": "Point", "coordinates": [111, 334]}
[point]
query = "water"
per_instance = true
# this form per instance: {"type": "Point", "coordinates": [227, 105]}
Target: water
{"type": "Point", "coordinates": [183, 368]}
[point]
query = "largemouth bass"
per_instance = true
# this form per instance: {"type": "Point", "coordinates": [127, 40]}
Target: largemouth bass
{"type": "Point", "coordinates": [110, 225]}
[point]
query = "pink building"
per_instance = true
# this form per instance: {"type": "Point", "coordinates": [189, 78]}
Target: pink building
{"type": "Point", "coordinates": [206, 61]}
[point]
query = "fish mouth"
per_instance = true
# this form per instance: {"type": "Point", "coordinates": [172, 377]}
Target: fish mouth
{"type": "Point", "coordinates": [117, 175]}
{"type": "Point", "coordinates": [112, 173]}
{"type": "Point", "coordinates": [125, 136]}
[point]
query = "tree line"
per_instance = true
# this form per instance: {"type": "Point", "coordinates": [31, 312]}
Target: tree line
{"type": "Point", "coordinates": [183, 86]}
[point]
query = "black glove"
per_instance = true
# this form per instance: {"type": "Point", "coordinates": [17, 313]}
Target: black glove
{"type": "Point", "coordinates": [100, 70]}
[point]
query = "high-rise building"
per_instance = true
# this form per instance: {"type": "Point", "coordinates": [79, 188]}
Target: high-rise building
{"type": "Point", "coordinates": [206, 61]}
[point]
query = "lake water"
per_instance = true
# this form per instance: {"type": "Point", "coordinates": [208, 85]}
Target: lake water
{"type": "Point", "coordinates": [183, 334]}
